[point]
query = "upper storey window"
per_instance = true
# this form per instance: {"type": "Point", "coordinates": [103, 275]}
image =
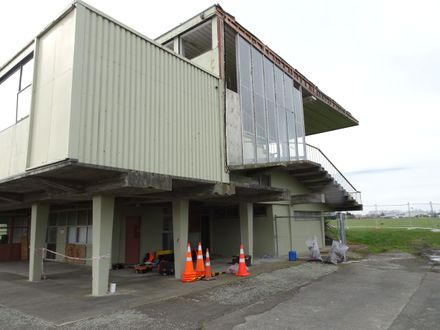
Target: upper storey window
{"type": "Point", "coordinates": [15, 93]}
{"type": "Point", "coordinates": [197, 41]}
{"type": "Point", "coordinates": [271, 109]}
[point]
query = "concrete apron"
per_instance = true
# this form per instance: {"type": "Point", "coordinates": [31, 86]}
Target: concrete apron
{"type": "Point", "coordinates": [66, 294]}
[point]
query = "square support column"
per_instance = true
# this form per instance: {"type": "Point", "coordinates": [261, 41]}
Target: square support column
{"type": "Point", "coordinates": [103, 213]}
{"type": "Point", "coordinates": [247, 227]}
{"type": "Point", "coordinates": [180, 235]}
{"type": "Point", "coordinates": [39, 219]}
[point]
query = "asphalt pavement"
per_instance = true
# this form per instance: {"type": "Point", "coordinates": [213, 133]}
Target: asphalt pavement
{"type": "Point", "coordinates": [388, 291]}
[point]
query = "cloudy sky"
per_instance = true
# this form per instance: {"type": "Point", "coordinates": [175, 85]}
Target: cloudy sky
{"type": "Point", "coordinates": [379, 59]}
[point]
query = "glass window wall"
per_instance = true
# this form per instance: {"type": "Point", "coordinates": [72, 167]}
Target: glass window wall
{"type": "Point", "coordinates": [271, 109]}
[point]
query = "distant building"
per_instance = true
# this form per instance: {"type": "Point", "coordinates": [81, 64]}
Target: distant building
{"type": "Point", "coordinates": [114, 144]}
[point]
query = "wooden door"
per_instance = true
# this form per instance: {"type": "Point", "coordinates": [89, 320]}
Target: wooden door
{"type": "Point", "coordinates": [132, 240]}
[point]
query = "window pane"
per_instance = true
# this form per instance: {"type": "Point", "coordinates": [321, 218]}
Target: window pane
{"type": "Point", "coordinates": [167, 241]}
{"type": "Point", "coordinates": [52, 235]}
{"type": "Point", "coordinates": [19, 232]}
{"type": "Point", "coordinates": [72, 218]}
{"type": "Point", "coordinates": [281, 114]}
{"type": "Point", "coordinates": [62, 219]}
{"type": "Point", "coordinates": [21, 222]}
{"type": "Point", "coordinates": [27, 74]}
{"type": "Point", "coordinates": [8, 97]}
{"type": "Point", "coordinates": [90, 217]}
{"type": "Point", "coordinates": [82, 235]}
{"type": "Point", "coordinates": [82, 218]}
{"type": "Point", "coordinates": [71, 237]}
{"type": "Point", "coordinates": [24, 103]}
{"type": "Point", "coordinates": [167, 223]}
{"type": "Point", "coordinates": [272, 123]}
{"type": "Point", "coordinates": [299, 119]}
{"type": "Point", "coordinates": [291, 134]}
{"type": "Point", "coordinates": [4, 233]}
{"type": "Point", "coordinates": [259, 106]}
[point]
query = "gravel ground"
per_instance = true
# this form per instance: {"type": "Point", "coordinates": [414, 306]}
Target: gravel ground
{"type": "Point", "coordinates": [267, 284]}
{"type": "Point", "coordinates": [13, 319]}
{"type": "Point", "coordinates": [185, 312]}
{"type": "Point", "coordinates": [121, 320]}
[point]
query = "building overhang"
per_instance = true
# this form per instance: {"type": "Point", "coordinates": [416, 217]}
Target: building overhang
{"type": "Point", "coordinates": [321, 112]}
{"type": "Point", "coordinates": [319, 117]}
{"type": "Point", "coordinates": [70, 181]}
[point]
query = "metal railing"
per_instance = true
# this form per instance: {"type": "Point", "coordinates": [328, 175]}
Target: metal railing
{"type": "Point", "coordinates": [315, 155]}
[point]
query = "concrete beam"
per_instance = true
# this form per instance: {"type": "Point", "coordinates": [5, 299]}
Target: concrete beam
{"type": "Point", "coordinates": [39, 220]}
{"type": "Point", "coordinates": [312, 198]}
{"type": "Point", "coordinates": [247, 227]}
{"type": "Point", "coordinates": [11, 197]}
{"type": "Point", "coordinates": [133, 179]}
{"type": "Point", "coordinates": [103, 214]}
{"type": "Point", "coordinates": [180, 234]}
{"type": "Point", "coordinates": [202, 191]}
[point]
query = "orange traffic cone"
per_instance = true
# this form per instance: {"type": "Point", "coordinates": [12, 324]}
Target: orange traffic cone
{"type": "Point", "coordinates": [241, 271]}
{"type": "Point", "coordinates": [200, 267]}
{"type": "Point", "coordinates": [208, 270]}
{"type": "Point", "coordinates": [189, 275]}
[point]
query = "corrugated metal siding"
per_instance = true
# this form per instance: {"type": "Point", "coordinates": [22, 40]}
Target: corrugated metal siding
{"type": "Point", "coordinates": [141, 107]}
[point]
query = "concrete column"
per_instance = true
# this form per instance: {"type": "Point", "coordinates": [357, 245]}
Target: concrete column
{"type": "Point", "coordinates": [247, 227]}
{"type": "Point", "coordinates": [39, 219]}
{"type": "Point", "coordinates": [103, 213]}
{"type": "Point", "coordinates": [180, 235]}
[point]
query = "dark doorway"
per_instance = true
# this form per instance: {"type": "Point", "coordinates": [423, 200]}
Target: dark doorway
{"type": "Point", "coordinates": [132, 239]}
{"type": "Point", "coordinates": [206, 233]}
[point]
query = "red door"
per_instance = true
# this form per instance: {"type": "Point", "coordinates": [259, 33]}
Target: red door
{"type": "Point", "coordinates": [132, 240]}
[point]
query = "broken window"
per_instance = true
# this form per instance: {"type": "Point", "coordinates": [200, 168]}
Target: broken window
{"type": "Point", "coordinates": [15, 93]}
{"type": "Point", "coordinates": [299, 120]}
{"type": "Point", "coordinates": [230, 59]}
{"type": "Point", "coordinates": [271, 109]}
{"type": "Point", "coordinates": [196, 41]}
{"type": "Point", "coordinates": [269, 95]}
{"type": "Point", "coordinates": [246, 101]}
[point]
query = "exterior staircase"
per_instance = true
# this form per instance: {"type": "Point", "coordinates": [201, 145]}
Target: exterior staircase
{"type": "Point", "coordinates": [318, 174]}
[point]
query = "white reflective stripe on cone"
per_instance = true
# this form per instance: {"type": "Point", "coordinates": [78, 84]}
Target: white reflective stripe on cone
{"type": "Point", "coordinates": [241, 251]}
{"type": "Point", "coordinates": [189, 259]}
{"type": "Point", "coordinates": [189, 249]}
{"type": "Point", "coordinates": [241, 260]}
{"type": "Point", "coordinates": [200, 257]}
{"type": "Point", "coordinates": [208, 264]}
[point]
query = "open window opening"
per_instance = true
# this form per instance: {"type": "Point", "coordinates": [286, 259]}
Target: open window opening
{"type": "Point", "coordinates": [169, 45]}
{"type": "Point", "coordinates": [196, 41]}
{"type": "Point", "coordinates": [230, 59]}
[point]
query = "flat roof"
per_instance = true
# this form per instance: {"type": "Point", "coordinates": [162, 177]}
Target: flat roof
{"type": "Point", "coordinates": [323, 114]}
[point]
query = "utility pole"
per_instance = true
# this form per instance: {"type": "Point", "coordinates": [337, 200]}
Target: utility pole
{"type": "Point", "coordinates": [409, 211]}
{"type": "Point", "coordinates": [432, 210]}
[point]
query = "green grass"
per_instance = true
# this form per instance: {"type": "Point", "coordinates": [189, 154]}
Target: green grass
{"type": "Point", "coordinates": [382, 239]}
{"type": "Point", "coordinates": [402, 222]}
